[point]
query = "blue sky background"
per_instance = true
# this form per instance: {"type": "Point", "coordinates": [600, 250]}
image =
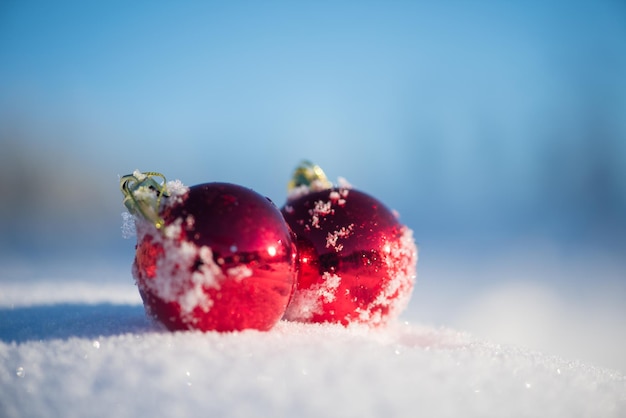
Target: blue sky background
{"type": "Point", "coordinates": [487, 125]}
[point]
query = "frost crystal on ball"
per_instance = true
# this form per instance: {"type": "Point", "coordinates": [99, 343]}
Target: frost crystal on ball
{"type": "Point", "coordinates": [357, 261]}
{"type": "Point", "coordinates": [215, 256]}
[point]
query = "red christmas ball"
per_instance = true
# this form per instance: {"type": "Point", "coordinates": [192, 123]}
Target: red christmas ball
{"type": "Point", "coordinates": [357, 261]}
{"type": "Point", "coordinates": [215, 256]}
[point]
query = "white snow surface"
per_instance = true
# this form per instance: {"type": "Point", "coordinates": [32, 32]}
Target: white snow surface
{"type": "Point", "coordinates": [89, 350]}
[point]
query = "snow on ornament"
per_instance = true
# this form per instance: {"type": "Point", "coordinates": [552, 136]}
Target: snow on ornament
{"type": "Point", "coordinates": [215, 256]}
{"type": "Point", "coordinates": [357, 262]}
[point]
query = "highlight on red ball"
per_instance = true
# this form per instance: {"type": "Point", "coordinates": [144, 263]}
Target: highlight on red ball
{"type": "Point", "coordinates": [357, 261]}
{"type": "Point", "coordinates": [211, 257]}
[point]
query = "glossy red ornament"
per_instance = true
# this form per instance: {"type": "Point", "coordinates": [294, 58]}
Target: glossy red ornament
{"type": "Point", "coordinates": [215, 256]}
{"type": "Point", "coordinates": [357, 261]}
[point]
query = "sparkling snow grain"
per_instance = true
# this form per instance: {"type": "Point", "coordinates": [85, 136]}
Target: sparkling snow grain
{"type": "Point", "coordinates": [299, 370]}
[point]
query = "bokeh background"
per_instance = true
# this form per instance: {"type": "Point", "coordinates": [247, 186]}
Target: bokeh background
{"type": "Point", "coordinates": [496, 129]}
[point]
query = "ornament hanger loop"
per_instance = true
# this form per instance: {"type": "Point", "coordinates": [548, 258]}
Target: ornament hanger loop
{"type": "Point", "coordinates": [139, 190]}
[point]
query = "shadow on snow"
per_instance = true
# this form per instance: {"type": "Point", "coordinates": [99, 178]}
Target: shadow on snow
{"type": "Point", "coordinates": [64, 321]}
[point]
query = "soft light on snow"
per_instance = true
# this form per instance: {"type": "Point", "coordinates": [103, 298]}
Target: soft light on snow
{"type": "Point", "coordinates": [101, 359]}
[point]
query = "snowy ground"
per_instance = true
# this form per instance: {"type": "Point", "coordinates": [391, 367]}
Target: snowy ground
{"type": "Point", "coordinates": [76, 348]}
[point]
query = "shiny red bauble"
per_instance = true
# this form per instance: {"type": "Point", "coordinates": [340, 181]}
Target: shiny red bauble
{"type": "Point", "coordinates": [218, 257]}
{"type": "Point", "coordinates": [357, 261]}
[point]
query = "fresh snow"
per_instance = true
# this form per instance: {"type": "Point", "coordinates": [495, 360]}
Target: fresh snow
{"type": "Point", "coordinates": [89, 350]}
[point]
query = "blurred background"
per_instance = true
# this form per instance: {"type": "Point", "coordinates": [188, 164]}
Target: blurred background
{"type": "Point", "coordinates": [496, 129]}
